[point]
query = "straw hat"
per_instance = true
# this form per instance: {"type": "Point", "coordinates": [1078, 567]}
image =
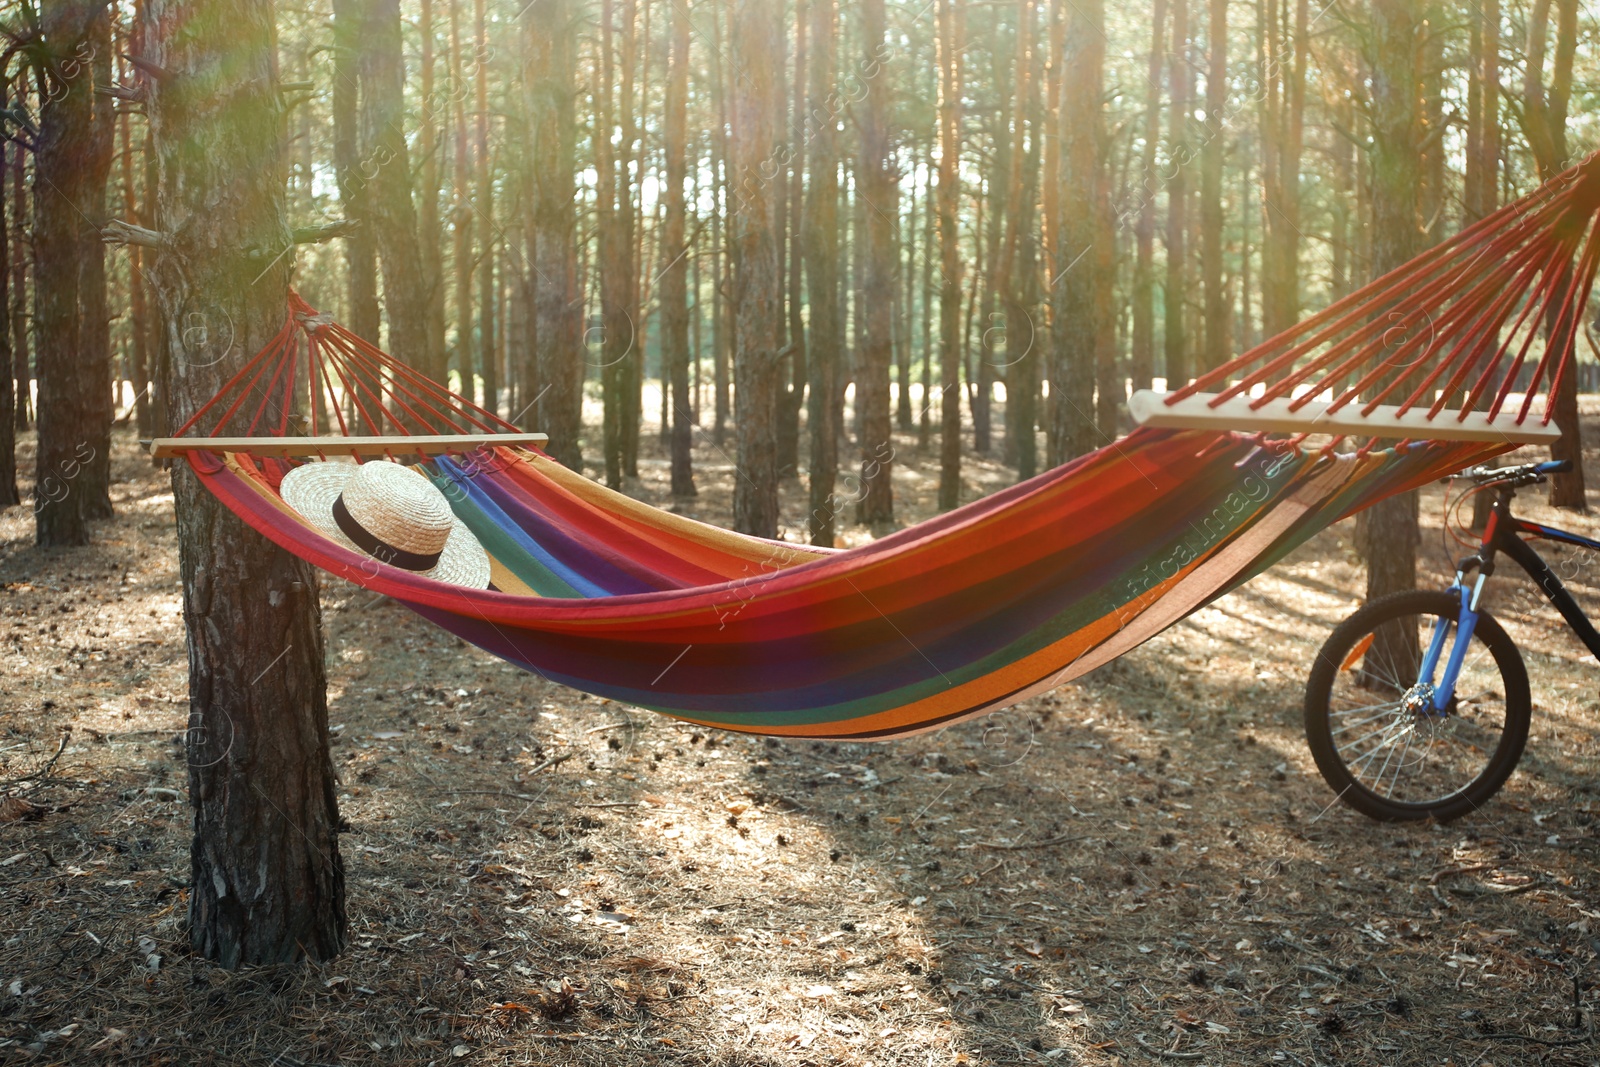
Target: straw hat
{"type": "Point", "coordinates": [392, 513]}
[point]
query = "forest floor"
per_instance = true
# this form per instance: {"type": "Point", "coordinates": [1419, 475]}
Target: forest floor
{"type": "Point", "coordinates": [1140, 868]}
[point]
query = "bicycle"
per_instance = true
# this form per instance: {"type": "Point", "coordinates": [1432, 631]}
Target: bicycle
{"type": "Point", "coordinates": [1417, 706]}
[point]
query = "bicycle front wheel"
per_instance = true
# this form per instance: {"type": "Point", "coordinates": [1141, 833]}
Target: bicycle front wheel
{"type": "Point", "coordinates": [1370, 721]}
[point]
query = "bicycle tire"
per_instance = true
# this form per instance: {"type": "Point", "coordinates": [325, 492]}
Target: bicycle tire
{"type": "Point", "coordinates": [1446, 748]}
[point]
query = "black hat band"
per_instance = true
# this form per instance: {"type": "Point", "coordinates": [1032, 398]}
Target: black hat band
{"type": "Point", "coordinates": [381, 551]}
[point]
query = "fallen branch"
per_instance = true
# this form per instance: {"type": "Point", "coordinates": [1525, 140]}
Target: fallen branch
{"type": "Point", "coordinates": [1551, 1042]}
{"type": "Point", "coordinates": [1032, 844]}
{"type": "Point", "coordinates": [44, 771]}
{"type": "Point", "coordinates": [1164, 1054]}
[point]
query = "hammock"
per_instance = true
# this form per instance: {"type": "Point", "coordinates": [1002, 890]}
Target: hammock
{"type": "Point", "coordinates": [983, 606]}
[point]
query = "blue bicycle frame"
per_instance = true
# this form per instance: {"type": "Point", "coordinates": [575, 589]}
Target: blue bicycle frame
{"type": "Point", "coordinates": [1504, 534]}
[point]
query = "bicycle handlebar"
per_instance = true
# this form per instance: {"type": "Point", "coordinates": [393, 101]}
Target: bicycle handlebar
{"type": "Point", "coordinates": [1522, 474]}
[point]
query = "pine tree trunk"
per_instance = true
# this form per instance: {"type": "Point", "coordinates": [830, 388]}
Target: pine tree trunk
{"type": "Point", "coordinates": [630, 175]}
{"type": "Point", "coordinates": [387, 170]}
{"type": "Point", "coordinates": [674, 276]}
{"type": "Point", "coordinates": [557, 330]}
{"type": "Point", "coordinates": [950, 44]}
{"type": "Point", "coordinates": [1391, 535]}
{"type": "Point", "coordinates": [1211, 216]}
{"type": "Point", "coordinates": [350, 167]}
{"type": "Point", "coordinates": [1175, 297]}
{"type": "Point", "coordinates": [878, 184]}
{"type": "Point", "coordinates": [757, 295]}
{"type": "Point", "coordinates": [429, 234]}
{"type": "Point", "coordinates": [1283, 108]}
{"type": "Point", "coordinates": [1143, 345]}
{"type": "Point", "coordinates": [1544, 120]}
{"type": "Point", "coordinates": [22, 416]}
{"type": "Point", "coordinates": [94, 312]}
{"type": "Point", "coordinates": [461, 206]}
{"type": "Point", "coordinates": [1077, 236]}
{"type": "Point", "coordinates": [820, 238]}
{"type": "Point", "coordinates": [793, 398]}
{"type": "Point", "coordinates": [483, 207]}
{"type": "Point", "coordinates": [72, 393]}
{"type": "Point", "coordinates": [8, 385]}
{"type": "Point", "coordinates": [267, 882]}
{"type": "Point", "coordinates": [138, 311]}
{"type": "Point", "coordinates": [611, 213]}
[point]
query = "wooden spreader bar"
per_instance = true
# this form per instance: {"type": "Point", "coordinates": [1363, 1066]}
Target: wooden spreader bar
{"type": "Point", "coordinates": [1149, 408]}
{"type": "Point", "coordinates": [285, 447]}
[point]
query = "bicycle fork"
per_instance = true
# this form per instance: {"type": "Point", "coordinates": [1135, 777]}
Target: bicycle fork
{"type": "Point", "coordinates": [1436, 699]}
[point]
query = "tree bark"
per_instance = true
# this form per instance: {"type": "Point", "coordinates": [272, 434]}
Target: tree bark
{"type": "Point", "coordinates": [461, 206]}
{"type": "Point", "coordinates": [1180, 157]}
{"type": "Point", "coordinates": [757, 292]}
{"type": "Point", "coordinates": [1076, 236]}
{"type": "Point", "coordinates": [1390, 532]}
{"type": "Point", "coordinates": [71, 392]}
{"type": "Point", "coordinates": [429, 234]}
{"type": "Point", "coordinates": [1544, 121]}
{"type": "Point", "coordinates": [386, 170]}
{"type": "Point", "coordinates": [879, 189]}
{"type": "Point", "coordinates": [558, 313]}
{"type": "Point", "coordinates": [793, 398]}
{"type": "Point", "coordinates": [1212, 152]}
{"type": "Point", "coordinates": [1143, 345]}
{"type": "Point", "coordinates": [483, 207]}
{"type": "Point", "coordinates": [820, 238]}
{"type": "Point", "coordinates": [22, 416]}
{"type": "Point", "coordinates": [360, 248]}
{"type": "Point", "coordinates": [8, 384]}
{"type": "Point", "coordinates": [94, 312]}
{"type": "Point", "coordinates": [674, 276]}
{"type": "Point", "coordinates": [947, 202]}
{"type": "Point", "coordinates": [267, 882]}
{"type": "Point", "coordinates": [1283, 108]}
{"type": "Point", "coordinates": [615, 248]}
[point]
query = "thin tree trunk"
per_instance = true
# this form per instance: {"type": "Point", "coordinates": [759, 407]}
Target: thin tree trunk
{"type": "Point", "coordinates": [722, 235]}
{"type": "Point", "coordinates": [1211, 216]}
{"type": "Point", "coordinates": [1077, 236]}
{"type": "Point", "coordinates": [757, 294]}
{"type": "Point", "coordinates": [1179, 159]}
{"type": "Point", "coordinates": [878, 184]}
{"type": "Point", "coordinates": [387, 194]}
{"type": "Point", "coordinates": [461, 208]}
{"type": "Point", "coordinates": [361, 250]}
{"type": "Point", "coordinates": [71, 394]}
{"type": "Point", "coordinates": [483, 204]}
{"type": "Point", "coordinates": [8, 385]}
{"type": "Point", "coordinates": [266, 882]}
{"type": "Point", "coordinates": [1544, 121]}
{"type": "Point", "coordinates": [820, 237]}
{"type": "Point", "coordinates": [617, 327]}
{"type": "Point", "coordinates": [1144, 312]}
{"type": "Point", "coordinates": [1283, 109]}
{"type": "Point", "coordinates": [23, 415]}
{"type": "Point", "coordinates": [674, 277]}
{"type": "Point", "coordinates": [551, 76]}
{"type": "Point", "coordinates": [433, 111]}
{"type": "Point", "coordinates": [93, 305]}
{"type": "Point", "coordinates": [632, 166]}
{"type": "Point", "coordinates": [138, 310]}
{"type": "Point", "coordinates": [948, 200]}
{"type": "Point", "coordinates": [925, 417]}
{"type": "Point", "coordinates": [793, 398]}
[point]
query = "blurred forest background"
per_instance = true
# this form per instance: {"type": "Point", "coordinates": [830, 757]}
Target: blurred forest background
{"type": "Point", "coordinates": [797, 228]}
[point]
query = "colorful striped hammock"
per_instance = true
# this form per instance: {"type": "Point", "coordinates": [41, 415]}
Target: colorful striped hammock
{"type": "Point", "coordinates": [986, 605]}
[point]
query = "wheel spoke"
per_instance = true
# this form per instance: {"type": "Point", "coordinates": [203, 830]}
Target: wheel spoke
{"type": "Point", "coordinates": [1375, 725]}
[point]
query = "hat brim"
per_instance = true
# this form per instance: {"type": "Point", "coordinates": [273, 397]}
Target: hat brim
{"type": "Point", "coordinates": [311, 488]}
